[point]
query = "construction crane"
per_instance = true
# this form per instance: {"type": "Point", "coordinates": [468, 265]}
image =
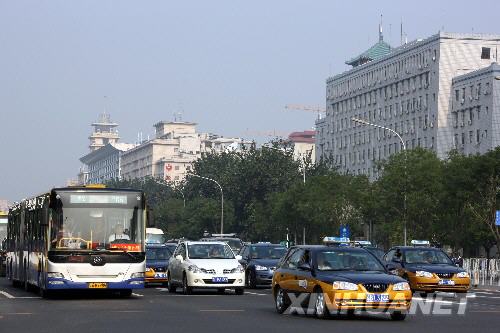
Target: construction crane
{"type": "Point", "coordinates": [307, 108]}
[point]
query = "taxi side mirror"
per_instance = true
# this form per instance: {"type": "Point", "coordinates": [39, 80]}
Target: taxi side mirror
{"type": "Point", "coordinates": [305, 267]}
{"type": "Point", "coordinates": [179, 257]}
{"type": "Point", "coordinates": [238, 257]}
{"type": "Point", "coordinates": [392, 268]}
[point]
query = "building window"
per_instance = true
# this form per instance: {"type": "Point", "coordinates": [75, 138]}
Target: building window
{"type": "Point", "coordinates": [485, 53]}
{"type": "Point", "coordinates": [176, 167]}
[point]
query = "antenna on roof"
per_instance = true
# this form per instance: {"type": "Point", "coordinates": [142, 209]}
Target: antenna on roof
{"type": "Point", "coordinates": [380, 34]}
{"type": "Point", "coordinates": [401, 41]}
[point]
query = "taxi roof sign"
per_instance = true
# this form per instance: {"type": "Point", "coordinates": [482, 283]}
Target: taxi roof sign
{"type": "Point", "coordinates": [416, 242]}
{"type": "Point", "coordinates": [363, 243]}
{"type": "Point", "coordinates": [336, 240]}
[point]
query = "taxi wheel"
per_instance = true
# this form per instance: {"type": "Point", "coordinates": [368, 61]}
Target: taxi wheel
{"type": "Point", "coordinates": [397, 315]}
{"type": "Point", "coordinates": [186, 289]}
{"type": "Point", "coordinates": [320, 308]}
{"type": "Point", "coordinates": [281, 300]}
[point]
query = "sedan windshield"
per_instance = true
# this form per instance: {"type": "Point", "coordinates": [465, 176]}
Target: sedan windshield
{"type": "Point", "coordinates": [345, 260]}
{"type": "Point", "coordinates": [266, 252]}
{"type": "Point", "coordinates": [210, 251]}
{"type": "Point", "coordinates": [426, 256]}
{"type": "Point", "coordinates": [158, 253]}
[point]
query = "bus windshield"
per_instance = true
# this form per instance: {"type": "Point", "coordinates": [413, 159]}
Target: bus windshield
{"type": "Point", "coordinates": [99, 223]}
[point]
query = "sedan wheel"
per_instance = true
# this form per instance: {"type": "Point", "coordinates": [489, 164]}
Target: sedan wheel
{"type": "Point", "coordinates": [170, 285]}
{"type": "Point", "coordinates": [186, 289]}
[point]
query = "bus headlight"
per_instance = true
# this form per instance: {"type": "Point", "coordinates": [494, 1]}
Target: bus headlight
{"type": "Point", "coordinates": [55, 275]}
{"type": "Point", "coordinates": [137, 275]}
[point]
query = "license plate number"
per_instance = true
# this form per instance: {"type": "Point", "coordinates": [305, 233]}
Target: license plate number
{"type": "Point", "coordinates": [98, 285]}
{"type": "Point", "coordinates": [219, 279]}
{"type": "Point", "coordinates": [160, 275]}
{"type": "Point", "coordinates": [447, 282]}
{"type": "Point", "coordinates": [377, 298]}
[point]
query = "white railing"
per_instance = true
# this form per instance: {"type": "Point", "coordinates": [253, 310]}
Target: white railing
{"type": "Point", "coordinates": [483, 271]}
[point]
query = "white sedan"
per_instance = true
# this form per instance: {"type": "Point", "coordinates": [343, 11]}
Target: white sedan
{"type": "Point", "coordinates": [205, 265]}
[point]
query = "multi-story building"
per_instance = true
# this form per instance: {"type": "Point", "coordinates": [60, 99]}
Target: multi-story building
{"type": "Point", "coordinates": [407, 89]}
{"type": "Point", "coordinates": [104, 163]}
{"type": "Point", "coordinates": [303, 145]}
{"type": "Point", "coordinates": [475, 110]}
{"type": "Point", "coordinates": [104, 132]}
{"type": "Point", "coordinates": [168, 156]}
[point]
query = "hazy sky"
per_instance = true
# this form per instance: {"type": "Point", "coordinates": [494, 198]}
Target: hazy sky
{"type": "Point", "coordinates": [230, 66]}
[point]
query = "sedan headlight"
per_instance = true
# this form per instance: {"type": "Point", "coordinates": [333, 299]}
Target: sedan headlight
{"type": "Point", "coordinates": [423, 274]}
{"type": "Point", "coordinates": [342, 285]}
{"type": "Point", "coordinates": [401, 286]}
{"type": "Point", "coordinates": [238, 269]}
{"type": "Point", "coordinates": [462, 275]}
{"type": "Point", "coordinates": [260, 268]}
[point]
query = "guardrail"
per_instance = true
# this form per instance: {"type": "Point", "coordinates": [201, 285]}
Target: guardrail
{"type": "Point", "coordinates": [483, 271]}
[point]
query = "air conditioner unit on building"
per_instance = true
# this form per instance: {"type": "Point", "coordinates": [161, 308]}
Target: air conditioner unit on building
{"type": "Point", "coordinates": [462, 100]}
{"type": "Point", "coordinates": [470, 122]}
{"type": "Point", "coordinates": [431, 124]}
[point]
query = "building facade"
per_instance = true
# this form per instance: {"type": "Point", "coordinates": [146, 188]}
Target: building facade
{"type": "Point", "coordinates": [475, 110]}
{"type": "Point", "coordinates": [104, 132]}
{"type": "Point", "coordinates": [303, 145]}
{"type": "Point", "coordinates": [104, 163]}
{"type": "Point", "coordinates": [407, 89]}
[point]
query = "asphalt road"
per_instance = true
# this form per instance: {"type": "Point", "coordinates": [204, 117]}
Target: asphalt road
{"type": "Point", "coordinates": [154, 309]}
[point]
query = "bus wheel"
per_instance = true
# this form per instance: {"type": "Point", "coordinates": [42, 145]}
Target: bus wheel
{"type": "Point", "coordinates": [126, 293]}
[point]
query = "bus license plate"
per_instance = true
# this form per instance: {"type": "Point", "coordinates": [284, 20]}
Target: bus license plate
{"type": "Point", "coordinates": [98, 285]}
{"type": "Point", "coordinates": [447, 282]}
{"type": "Point", "coordinates": [377, 298]}
{"type": "Point", "coordinates": [219, 279]}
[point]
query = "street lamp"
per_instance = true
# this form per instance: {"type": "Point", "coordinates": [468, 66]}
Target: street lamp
{"type": "Point", "coordinates": [364, 122]}
{"type": "Point", "coordinates": [222, 201]}
{"type": "Point", "coordinates": [182, 193]}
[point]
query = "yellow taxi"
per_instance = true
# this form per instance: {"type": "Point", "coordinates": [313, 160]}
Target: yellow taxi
{"type": "Point", "coordinates": [337, 279]}
{"type": "Point", "coordinates": [157, 258]}
{"type": "Point", "coordinates": [427, 269]}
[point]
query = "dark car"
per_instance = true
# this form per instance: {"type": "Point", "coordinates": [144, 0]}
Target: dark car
{"type": "Point", "coordinates": [259, 261]}
{"type": "Point", "coordinates": [428, 269]}
{"type": "Point", "coordinates": [339, 278]}
{"type": "Point", "coordinates": [157, 257]}
{"type": "Point", "coordinates": [234, 243]}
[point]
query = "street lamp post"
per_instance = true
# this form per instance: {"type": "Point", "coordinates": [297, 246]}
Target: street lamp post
{"type": "Point", "coordinates": [364, 122]}
{"type": "Point", "coordinates": [222, 201]}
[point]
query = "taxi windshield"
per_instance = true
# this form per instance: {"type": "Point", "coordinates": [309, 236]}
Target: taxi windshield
{"type": "Point", "coordinates": [210, 251]}
{"type": "Point", "coordinates": [426, 256]}
{"type": "Point", "coordinates": [161, 253]}
{"type": "Point", "coordinates": [345, 260]}
{"type": "Point", "coordinates": [266, 252]}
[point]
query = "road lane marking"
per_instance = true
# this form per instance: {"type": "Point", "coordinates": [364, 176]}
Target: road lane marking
{"type": "Point", "coordinates": [6, 294]}
{"type": "Point", "coordinates": [129, 311]}
{"type": "Point", "coordinates": [222, 310]}
{"type": "Point", "coordinates": [18, 313]}
{"type": "Point", "coordinates": [28, 297]}
{"type": "Point", "coordinates": [251, 293]}
{"type": "Point", "coordinates": [139, 295]}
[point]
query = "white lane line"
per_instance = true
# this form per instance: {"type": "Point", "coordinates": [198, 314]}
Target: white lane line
{"type": "Point", "coordinates": [251, 293]}
{"type": "Point", "coordinates": [162, 289]}
{"type": "Point", "coordinates": [437, 301]}
{"type": "Point", "coordinates": [128, 311]}
{"type": "Point", "coordinates": [19, 314]}
{"type": "Point", "coordinates": [471, 296]}
{"type": "Point", "coordinates": [138, 295]}
{"type": "Point", "coordinates": [222, 310]}
{"type": "Point", "coordinates": [6, 294]}
{"type": "Point", "coordinates": [25, 297]}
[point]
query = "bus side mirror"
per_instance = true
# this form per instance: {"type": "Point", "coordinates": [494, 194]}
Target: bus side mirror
{"type": "Point", "coordinates": [150, 218]}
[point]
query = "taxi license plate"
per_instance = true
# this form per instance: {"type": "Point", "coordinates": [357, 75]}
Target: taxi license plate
{"type": "Point", "coordinates": [98, 285]}
{"type": "Point", "coordinates": [446, 282]}
{"type": "Point", "coordinates": [377, 298]}
{"type": "Point", "coordinates": [219, 279]}
{"type": "Point", "coordinates": [160, 275]}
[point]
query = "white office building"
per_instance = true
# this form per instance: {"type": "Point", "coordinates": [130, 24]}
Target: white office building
{"type": "Point", "coordinates": [408, 89]}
